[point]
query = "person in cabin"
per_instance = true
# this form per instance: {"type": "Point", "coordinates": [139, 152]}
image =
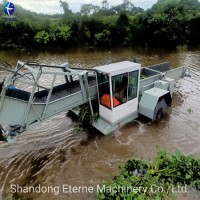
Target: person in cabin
{"type": "Point", "coordinates": [121, 90]}
{"type": "Point", "coordinates": [106, 101]}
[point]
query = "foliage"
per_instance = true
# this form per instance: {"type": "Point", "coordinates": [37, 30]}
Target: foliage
{"type": "Point", "coordinates": [169, 23]}
{"type": "Point", "coordinates": [85, 119]}
{"type": "Point", "coordinates": [126, 5]}
{"type": "Point", "coordinates": [65, 7]}
{"type": "Point", "coordinates": [42, 37]}
{"type": "Point", "coordinates": [166, 22]}
{"type": "Point", "coordinates": [142, 76]}
{"type": "Point", "coordinates": [103, 39]}
{"type": "Point", "coordinates": [88, 9]}
{"type": "Point", "coordinates": [60, 35]}
{"type": "Point", "coordinates": [105, 5]}
{"type": "Point", "coordinates": [166, 172]}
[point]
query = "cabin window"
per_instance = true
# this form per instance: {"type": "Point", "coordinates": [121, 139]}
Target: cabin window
{"type": "Point", "coordinates": [133, 85]}
{"type": "Point", "coordinates": [119, 87]}
{"type": "Point", "coordinates": [104, 90]}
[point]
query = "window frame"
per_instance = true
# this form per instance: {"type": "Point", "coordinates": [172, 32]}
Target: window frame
{"type": "Point", "coordinates": [98, 73]}
{"type": "Point", "coordinates": [126, 89]}
{"type": "Point", "coordinates": [135, 71]}
{"type": "Point", "coordinates": [128, 84]}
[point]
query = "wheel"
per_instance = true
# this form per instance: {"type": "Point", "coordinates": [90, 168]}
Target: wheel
{"type": "Point", "coordinates": [160, 110]}
{"type": "Point", "coordinates": [159, 114]}
{"type": "Point", "coordinates": [2, 134]}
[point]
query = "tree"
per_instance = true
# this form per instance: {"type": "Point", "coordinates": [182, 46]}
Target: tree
{"type": "Point", "coordinates": [167, 24]}
{"type": "Point", "coordinates": [105, 5]}
{"type": "Point", "coordinates": [60, 35]}
{"type": "Point", "coordinates": [65, 7]}
{"type": "Point", "coordinates": [88, 9]}
{"type": "Point", "coordinates": [121, 33]}
{"type": "Point", "coordinates": [103, 39]}
{"type": "Point", "coordinates": [42, 37]}
{"type": "Point", "coordinates": [127, 5]}
{"type": "Point", "coordinates": [194, 30]}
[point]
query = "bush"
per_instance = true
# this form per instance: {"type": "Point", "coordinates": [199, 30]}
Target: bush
{"type": "Point", "coordinates": [168, 171]}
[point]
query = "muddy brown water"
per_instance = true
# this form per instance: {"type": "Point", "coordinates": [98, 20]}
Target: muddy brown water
{"type": "Point", "coordinates": [53, 156]}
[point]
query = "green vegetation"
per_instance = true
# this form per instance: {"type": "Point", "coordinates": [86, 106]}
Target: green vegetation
{"type": "Point", "coordinates": [169, 23]}
{"type": "Point", "coordinates": [167, 174]}
{"type": "Point", "coordinates": [142, 76]}
{"type": "Point", "coordinates": [85, 119]}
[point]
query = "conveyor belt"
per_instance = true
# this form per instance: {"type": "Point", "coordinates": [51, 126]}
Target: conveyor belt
{"type": "Point", "coordinates": [63, 90]}
{"type": "Point", "coordinates": [58, 92]}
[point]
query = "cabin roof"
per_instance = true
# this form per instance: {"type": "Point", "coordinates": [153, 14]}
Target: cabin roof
{"type": "Point", "coordinates": [118, 68]}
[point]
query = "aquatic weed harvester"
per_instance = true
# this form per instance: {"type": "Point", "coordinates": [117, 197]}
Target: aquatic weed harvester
{"type": "Point", "coordinates": [124, 91]}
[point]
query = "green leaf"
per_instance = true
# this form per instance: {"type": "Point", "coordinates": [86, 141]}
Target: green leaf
{"type": "Point", "coordinates": [178, 173]}
{"type": "Point", "coordinates": [157, 198]}
{"type": "Point", "coordinates": [187, 176]}
{"type": "Point", "coordinates": [117, 198]}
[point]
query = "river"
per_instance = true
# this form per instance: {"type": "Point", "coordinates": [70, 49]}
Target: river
{"type": "Point", "coordinates": [52, 155]}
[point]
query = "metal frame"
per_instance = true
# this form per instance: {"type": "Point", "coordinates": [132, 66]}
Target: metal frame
{"type": "Point", "coordinates": [85, 95]}
{"type": "Point", "coordinates": [36, 70]}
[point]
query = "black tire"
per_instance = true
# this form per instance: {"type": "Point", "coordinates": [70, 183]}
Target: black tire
{"type": "Point", "coordinates": [2, 136]}
{"type": "Point", "coordinates": [160, 110]}
{"type": "Point", "coordinates": [159, 114]}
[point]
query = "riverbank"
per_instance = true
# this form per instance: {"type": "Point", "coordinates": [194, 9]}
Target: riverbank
{"type": "Point", "coordinates": [167, 24]}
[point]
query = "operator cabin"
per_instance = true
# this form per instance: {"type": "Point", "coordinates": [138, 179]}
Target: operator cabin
{"type": "Point", "coordinates": [118, 88]}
